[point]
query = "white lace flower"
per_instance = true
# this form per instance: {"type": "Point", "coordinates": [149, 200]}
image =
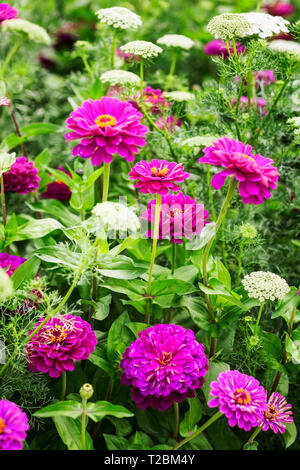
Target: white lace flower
{"type": "Point", "coordinates": [265, 25]}
{"type": "Point", "coordinates": [120, 77]}
{"type": "Point", "coordinates": [289, 47]}
{"type": "Point", "coordinates": [114, 216]}
{"type": "Point", "coordinates": [6, 285]}
{"type": "Point", "coordinates": [200, 141]}
{"type": "Point", "coordinates": [32, 31]}
{"type": "Point", "coordinates": [229, 26]}
{"type": "Point", "coordinates": [265, 285]}
{"type": "Point", "coordinates": [119, 17]}
{"type": "Point", "coordinates": [144, 49]}
{"type": "Point", "coordinates": [176, 40]}
{"type": "Point", "coordinates": [179, 96]}
{"type": "Point", "coordinates": [294, 122]}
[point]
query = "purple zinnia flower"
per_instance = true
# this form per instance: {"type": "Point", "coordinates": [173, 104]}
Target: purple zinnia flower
{"type": "Point", "coordinates": [240, 397]}
{"type": "Point", "coordinates": [106, 127]}
{"type": "Point", "coordinates": [61, 341]}
{"type": "Point", "coordinates": [58, 189]}
{"type": "Point", "coordinates": [218, 47]}
{"type": "Point", "coordinates": [11, 262]}
{"type": "Point", "coordinates": [171, 123]}
{"type": "Point", "coordinates": [180, 217]}
{"type": "Point", "coordinates": [158, 176]}
{"type": "Point", "coordinates": [278, 413]}
{"type": "Point", "coordinates": [22, 177]}
{"type": "Point", "coordinates": [163, 365]}
{"type": "Point", "coordinates": [256, 174]}
{"type": "Point", "coordinates": [7, 12]}
{"type": "Point", "coordinates": [13, 426]}
{"type": "Point", "coordinates": [280, 9]}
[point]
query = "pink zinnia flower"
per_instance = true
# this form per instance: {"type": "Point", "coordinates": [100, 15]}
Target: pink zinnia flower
{"type": "Point", "coordinates": [61, 341]}
{"type": "Point", "coordinates": [280, 9]}
{"type": "Point", "coordinates": [22, 177]}
{"type": "Point", "coordinates": [260, 104]}
{"type": "Point", "coordinates": [158, 176]}
{"type": "Point", "coordinates": [180, 217]}
{"type": "Point", "coordinates": [154, 99]}
{"type": "Point", "coordinates": [11, 262]}
{"type": "Point", "coordinates": [278, 413]}
{"type": "Point", "coordinates": [256, 174]}
{"type": "Point", "coordinates": [262, 77]}
{"type": "Point", "coordinates": [4, 101]}
{"type": "Point", "coordinates": [218, 47]}
{"type": "Point", "coordinates": [13, 426]}
{"type": "Point", "coordinates": [127, 56]}
{"type": "Point", "coordinates": [106, 127]}
{"type": "Point", "coordinates": [171, 123]}
{"type": "Point", "coordinates": [163, 365]}
{"type": "Point", "coordinates": [58, 189]}
{"type": "Point", "coordinates": [240, 397]}
{"type": "Point", "coordinates": [7, 12]}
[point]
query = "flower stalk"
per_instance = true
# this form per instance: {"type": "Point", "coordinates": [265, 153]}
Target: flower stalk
{"type": "Point", "coordinates": [199, 431]}
{"type": "Point", "coordinates": [106, 176]}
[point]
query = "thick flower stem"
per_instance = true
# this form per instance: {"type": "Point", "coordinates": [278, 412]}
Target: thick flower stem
{"type": "Point", "coordinates": [176, 420]}
{"type": "Point", "coordinates": [83, 424]}
{"type": "Point", "coordinates": [210, 195]}
{"type": "Point", "coordinates": [252, 437]}
{"type": "Point", "coordinates": [173, 258]}
{"type": "Point", "coordinates": [240, 262]}
{"type": "Point", "coordinates": [63, 385]}
{"type": "Point", "coordinates": [105, 181]}
{"type": "Point", "coordinates": [141, 80]}
{"type": "Point", "coordinates": [258, 318]}
{"type": "Point", "coordinates": [199, 431]}
{"type": "Point", "coordinates": [154, 245]}
{"type": "Point", "coordinates": [164, 132]}
{"type": "Point", "coordinates": [173, 64]}
{"type": "Point", "coordinates": [87, 66]}
{"type": "Point", "coordinates": [113, 50]}
{"type": "Point", "coordinates": [3, 201]}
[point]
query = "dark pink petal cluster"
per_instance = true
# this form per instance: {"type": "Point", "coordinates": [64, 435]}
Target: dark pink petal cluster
{"type": "Point", "coordinates": [127, 56]}
{"type": "Point", "coordinates": [58, 189]}
{"type": "Point", "coordinates": [163, 365]}
{"type": "Point", "coordinates": [4, 101]}
{"type": "Point", "coordinates": [60, 342]}
{"type": "Point", "coordinates": [280, 9]}
{"type": "Point", "coordinates": [256, 174]}
{"type": "Point", "coordinates": [277, 414]}
{"type": "Point", "coordinates": [219, 48]}
{"type": "Point", "coordinates": [105, 128]}
{"type": "Point", "coordinates": [153, 99]}
{"type": "Point", "coordinates": [7, 12]}
{"type": "Point", "coordinates": [13, 426]}
{"type": "Point", "coordinates": [262, 78]}
{"type": "Point", "coordinates": [22, 177]}
{"type": "Point", "coordinates": [158, 176]}
{"type": "Point", "coordinates": [10, 263]}
{"type": "Point", "coordinates": [260, 104]}
{"type": "Point", "coordinates": [240, 398]}
{"type": "Point", "coordinates": [180, 217]}
{"type": "Point", "coordinates": [170, 123]}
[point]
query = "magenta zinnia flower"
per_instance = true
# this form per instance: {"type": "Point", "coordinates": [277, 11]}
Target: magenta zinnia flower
{"type": "Point", "coordinates": [218, 47]}
{"type": "Point", "coordinates": [158, 176]}
{"type": "Point", "coordinates": [11, 262]}
{"type": "Point", "coordinates": [260, 104]}
{"type": "Point", "coordinates": [256, 174]}
{"type": "Point", "coordinates": [240, 397]}
{"type": "Point", "coordinates": [163, 365]}
{"type": "Point", "coordinates": [7, 12]}
{"type": "Point", "coordinates": [262, 77]}
{"type": "Point", "coordinates": [127, 56]}
{"type": "Point", "coordinates": [61, 341]}
{"type": "Point", "coordinates": [58, 189]}
{"type": "Point", "coordinates": [106, 127]}
{"type": "Point", "coordinates": [280, 9]}
{"type": "Point", "coordinates": [171, 123]}
{"type": "Point", "coordinates": [278, 413]}
{"type": "Point", "coordinates": [180, 217]}
{"type": "Point", "coordinates": [4, 101]}
{"type": "Point", "coordinates": [13, 426]}
{"type": "Point", "coordinates": [154, 99]}
{"type": "Point", "coordinates": [22, 177]}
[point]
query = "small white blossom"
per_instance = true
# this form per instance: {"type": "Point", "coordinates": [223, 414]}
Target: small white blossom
{"type": "Point", "coordinates": [119, 17]}
{"type": "Point", "coordinates": [229, 26]}
{"type": "Point", "coordinates": [289, 47]}
{"type": "Point", "coordinates": [120, 77]}
{"type": "Point", "coordinates": [33, 31]}
{"type": "Point", "coordinates": [114, 216]}
{"type": "Point", "coordinates": [179, 96]}
{"type": "Point", "coordinates": [265, 285]}
{"type": "Point", "coordinates": [144, 49]}
{"type": "Point", "coordinates": [200, 141]}
{"type": "Point", "coordinates": [294, 122]}
{"type": "Point", "coordinates": [6, 285]}
{"type": "Point", "coordinates": [265, 25]}
{"type": "Point", "coordinates": [176, 40]}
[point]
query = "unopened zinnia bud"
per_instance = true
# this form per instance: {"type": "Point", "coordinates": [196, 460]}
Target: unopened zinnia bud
{"type": "Point", "coordinates": [86, 391]}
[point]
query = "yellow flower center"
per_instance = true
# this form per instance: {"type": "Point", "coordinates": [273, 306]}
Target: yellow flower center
{"type": "Point", "coordinates": [159, 172]}
{"type": "Point", "coordinates": [271, 412]}
{"type": "Point", "coordinates": [248, 156]}
{"type": "Point", "coordinates": [105, 120]}
{"type": "Point", "coordinates": [60, 182]}
{"type": "Point", "coordinates": [175, 212]}
{"type": "Point", "coordinates": [241, 396]}
{"type": "Point", "coordinates": [166, 358]}
{"type": "Point", "coordinates": [2, 425]}
{"type": "Point", "coordinates": [57, 334]}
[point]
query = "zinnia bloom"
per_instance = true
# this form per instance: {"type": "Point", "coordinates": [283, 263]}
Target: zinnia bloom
{"type": "Point", "coordinates": [278, 413]}
{"type": "Point", "coordinates": [158, 176]}
{"type": "Point", "coordinates": [61, 341]}
{"type": "Point", "coordinates": [256, 174]}
{"type": "Point", "coordinates": [260, 104]}
{"type": "Point", "coordinates": [154, 99]}
{"type": "Point", "coordinates": [163, 365]}
{"type": "Point", "coordinates": [22, 177]}
{"type": "Point", "coordinates": [180, 217]}
{"type": "Point", "coordinates": [7, 12]}
{"type": "Point", "coordinates": [11, 262]}
{"type": "Point", "coordinates": [171, 123]}
{"type": "Point", "coordinates": [13, 426]}
{"type": "Point", "coordinates": [240, 397]}
{"type": "Point", "coordinates": [218, 47]}
{"type": "Point", "coordinates": [58, 189]}
{"type": "Point", "coordinates": [262, 77]}
{"type": "Point", "coordinates": [280, 9]}
{"type": "Point", "coordinates": [106, 127]}
{"type": "Point", "coordinates": [127, 56]}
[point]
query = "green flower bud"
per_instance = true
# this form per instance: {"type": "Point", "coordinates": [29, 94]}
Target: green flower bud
{"type": "Point", "coordinates": [86, 391]}
{"type": "Point", "coordinates": [248, 231]}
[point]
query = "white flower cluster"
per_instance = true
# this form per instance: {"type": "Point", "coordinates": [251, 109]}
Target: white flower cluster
{"type": "Point", "coordinates": [6, 285]}
{"type": "Point", "coordinates": [289, 47]}
{"type": "Point", "coordinates": [176, 40]}
{"type": "Point", "coordinates": [119, 17]}
{"type": "Point", "coordinates": [294, 122]}
{"type": "Point", "coordinates": [179, 96]}
{"type": "Point", "coordinates": [114, 216]}
{"type": "Point", "coordinates": [229, 26]}
{"type": "Point", "coordinates": [265, 25]}
{"type": "Point", "coordinates": [144, 49]}
{"type": "Point", "coordinates": [120, 77]}
{"type": "Point", "coordinates": [265, 285]}
{"type": "Point", "coordinates": [200, 141]}
{"type": "Point", "coordinates": [33, 31]}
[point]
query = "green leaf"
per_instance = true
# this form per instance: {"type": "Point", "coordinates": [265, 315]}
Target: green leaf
{"type": "Point", "coordinates": [57, 209]}
{"type": "Point", "coordinates": [198, 311]}
{"type": "Point", "coordinates": [12, 141]}
{"type": "Point", "coordinates": [97, 411]}
{"type": "Point", "coordinates": [102, 308]}
{"type": "Point", "coordinates": [121, 267]}
{"type": "Point", "coordinates": [61, 255]}
{"type": "Point", "coordinates": [286, 305]}
{"type": "Point", "coordinates": [39, 128]}
{"type": "Point", "coordinates": [186, 273]}
{"type": "Point", "coordinates": [69, 408]}
{"type": "Point", "coordinates": [119, 337]}
{"type": "Point", "coordinates": [25, 272]}
{"type": "Point", "coordinates": [189, 423]}
{"type": "Point", "coordinates": [171, 286]}
{"type": "Point", "coordinates": [293, 349]}
{"type": "Point", "coordinates": [35, 229]}
{"type": "Point", "coordinates": [199, 241]}
{"type": "Point", "coordinates": [215, 368]}
{"type": "Point", "coordinates": [136, 327]}
{"type": "Point", "coordinates": [99, 359]}
{"type": "Point", "coordinates": [70, 433]}
{"type": "Point", "coordinates": [290, 434]}
{"type": "Point", "coordinates": [116, 442]}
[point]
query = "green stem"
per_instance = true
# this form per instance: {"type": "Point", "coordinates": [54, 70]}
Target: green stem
{"type": "Point", "coordinates": [258, 318]}
{"type": "Point", "coordinates": [3, 201]}
{"type": "Point", "coordinates": [106, 174]}
{"type": "Point", "coordinates": [173, 64]}
{"type": "Point", "coordinates": [210, 195]}
{"type": "Point", "coordinates": [141, 80]}
{"type": "Point", "coordinates": [176, 420]}
{"type": "Point", "coordinates": [113, 50]}
{"type": "Point", "coordinates": [173, 258]}
{"type": "Point", "coordinates": [258, 6]}
{"type": "Point", "coordinates": [63, 385]}
{"type": "Point", "coordinates": [163, 132]}
{"type": "Point", "coordinates": [83, 424]}
{"type": "Point", "coordinates": [199, 431]}
{"type": "Point", "coordinates": [253, 436]}
{"type": "Point", "coordinates": [240, 262]}
{"type": "Point", "coordinates": [11, 53]}
{"type": "Point", "coordinates": [87, 67]}
{"type": "Point", "coordinates": [154, 245]}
